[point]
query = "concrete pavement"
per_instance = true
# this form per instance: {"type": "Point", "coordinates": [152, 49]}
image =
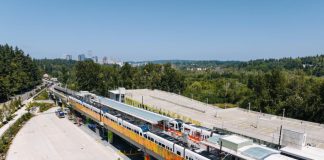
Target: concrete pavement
{"type": "Point", "coordinates": [18, 114]}
{"type": "Point", "coordinates": [48, 137]}
{"type": "Point", "coordinates": [253, 124]}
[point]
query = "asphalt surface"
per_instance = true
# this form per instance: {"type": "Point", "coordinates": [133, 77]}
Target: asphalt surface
{"type": "Point", "coordinates": [47, 137]}
{"type": "Point", "coordinates": [262, 126]}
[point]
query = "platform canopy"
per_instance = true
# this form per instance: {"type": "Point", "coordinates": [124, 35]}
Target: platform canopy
{"type": "Point", "coordinates": [139, 113]}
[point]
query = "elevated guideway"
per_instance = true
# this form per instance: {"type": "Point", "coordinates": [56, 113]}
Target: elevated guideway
{"type": "Point", "coordinates": [127, 122]}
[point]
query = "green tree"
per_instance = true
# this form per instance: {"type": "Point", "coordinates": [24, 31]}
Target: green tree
{"type": "Point", "coordinates": [87, 75]}
{"type": "Point", "coordinates": [1, 115]}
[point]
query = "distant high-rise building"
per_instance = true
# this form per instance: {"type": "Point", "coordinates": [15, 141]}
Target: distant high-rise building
{"type": "Point", "coordinates": [81, 57]}
{"type": "Point", "coordinates": [95, 59]}
{"type": "Point", "coordinates": [68, 57]}
{"type": "Point", "coordinates": [105, 60]}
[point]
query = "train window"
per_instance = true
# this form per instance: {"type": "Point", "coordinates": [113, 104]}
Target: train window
{"type": "Point", "coordinates": [186, 157]}
{"type": "Point", "coordinates": [178, 153]}
{"type": "Point", "coordinates": [145, 136]}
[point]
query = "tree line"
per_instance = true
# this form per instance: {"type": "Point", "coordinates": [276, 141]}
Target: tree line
{"type": "Point", "coordinates": [87, 75]}
{"type": "Point", "coordinates": [299, 90]}
{"type": "Point", "coordinates": [18, 72]}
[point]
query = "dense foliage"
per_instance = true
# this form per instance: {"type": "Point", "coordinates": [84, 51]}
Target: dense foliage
{"type": "Point", "coordinates": [42, 96]}
{"type": "Point", "coordinates": [8, 109]}
{"type": "Point", "coordinates": [18, 72]}
{"type": "Point", "coordinates": [100, 78]}
{"type": "Point", "coordinates": [271, 86]}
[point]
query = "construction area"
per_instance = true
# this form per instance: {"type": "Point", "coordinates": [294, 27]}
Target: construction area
{"type": "Point", "coordinates": [263, 127]}
{"type": "Point", "coordinates": [49, 137]}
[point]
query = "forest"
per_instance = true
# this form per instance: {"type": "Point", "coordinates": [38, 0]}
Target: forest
{"type": "Point", "coordinates": [295, 85]}
{"type": "Point", "coordinates": [18, 72]}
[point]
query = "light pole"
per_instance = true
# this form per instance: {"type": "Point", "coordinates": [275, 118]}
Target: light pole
{"type": "Point", "coordinates": [249, 107]}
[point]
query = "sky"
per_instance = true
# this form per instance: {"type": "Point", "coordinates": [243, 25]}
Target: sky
{"type": "Point", "coordinates": [136, 30]}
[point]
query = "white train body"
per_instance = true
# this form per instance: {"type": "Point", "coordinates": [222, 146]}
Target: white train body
{"type": "Point", "coordinates": [171, 146]}
{"type": "Point", "coordinates": [195, 131]}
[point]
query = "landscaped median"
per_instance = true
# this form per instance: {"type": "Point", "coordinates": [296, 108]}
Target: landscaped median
{"type": "Point", "coordinates": [42, 95]}
{"type": "Point", "coordinates": [9, 135]}
{"type": "Point", "coordinates": [42, 106]}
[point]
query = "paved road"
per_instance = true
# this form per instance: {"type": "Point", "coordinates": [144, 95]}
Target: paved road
{"type": "Point", "coordinates": [47, 137]}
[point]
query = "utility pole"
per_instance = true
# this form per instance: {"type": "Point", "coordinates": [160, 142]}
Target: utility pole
{"type": "Point", "coordinates": [142, 102]}
{"type": "Point", "coordinates": [280, 136]}
{"type": "Point", "coordinates": [249, 107]}
{"type": "Point", "coordinates": [283, 113]}
{"type": "Point", "coordinates": [226, 88]}
{"type": "Point", "coordinates": [100, 109]}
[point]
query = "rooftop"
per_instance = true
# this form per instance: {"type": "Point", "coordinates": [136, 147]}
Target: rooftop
{"type": "Point", "coordinates": [118, 91]}
{"type": "Point", "coordinates": [278, 156]}
{"type": "Point", "coordinates": [142, 114]}
{"type": "Point", "coordinates": [257, 152]}
{"type": "Point", "coordinates": [306, 152]}
{"type": "Point", "coordinates": [236, 139]}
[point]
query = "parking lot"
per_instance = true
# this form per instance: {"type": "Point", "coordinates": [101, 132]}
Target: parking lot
{"type": "Point", "coordinates": [49, 137]}
{"type": "Point", "coordinates": [252, 124]}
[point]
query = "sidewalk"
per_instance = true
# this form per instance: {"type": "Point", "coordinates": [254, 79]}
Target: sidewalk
{"type": "Point", "coordinates": [18, 114]}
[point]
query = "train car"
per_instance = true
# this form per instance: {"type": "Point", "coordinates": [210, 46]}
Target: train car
{"type": "Point", "coordinates": [196, 132]}
{"type": "Point", "coordinates": [111, 117]}
{"type": "Point", "coordinates": [64, 90]}
{"type": "Point", "coordinates": [175, 125]}
{"type": "Point", "coordinates": [179, 150]}
{"type": "Point", "coordinates": [160, 141]}
{"type": "Point", "coordinates": [191, 155]}
{"type": "Point", "coordinates": [173, 145]}
{"type": "Point", "coordinates": [133, 128]}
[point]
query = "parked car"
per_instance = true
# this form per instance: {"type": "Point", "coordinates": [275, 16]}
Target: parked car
{"type": "Point", "coordinates": [60, 113]}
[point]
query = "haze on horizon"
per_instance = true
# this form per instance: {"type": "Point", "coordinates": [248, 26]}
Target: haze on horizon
{"type": "Point", "coordinates": [155, 30]}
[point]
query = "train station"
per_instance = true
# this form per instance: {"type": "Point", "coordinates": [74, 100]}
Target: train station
{"type": "Point", "coordinates": [162, 137]}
